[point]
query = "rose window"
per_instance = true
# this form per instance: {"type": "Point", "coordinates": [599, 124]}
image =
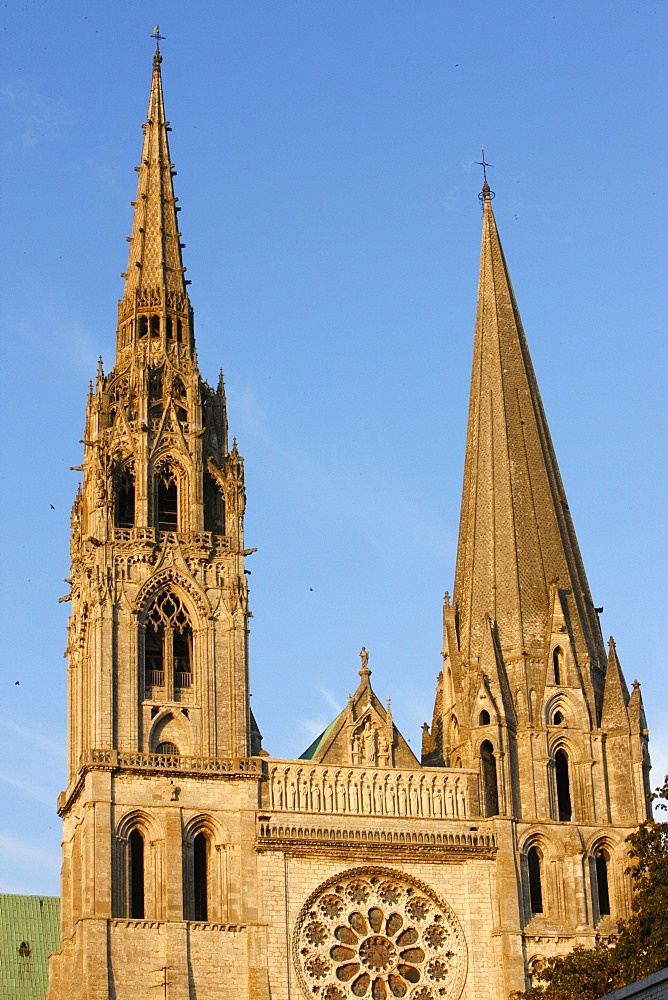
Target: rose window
{"type": "Point", "coordinates": [379, 934]}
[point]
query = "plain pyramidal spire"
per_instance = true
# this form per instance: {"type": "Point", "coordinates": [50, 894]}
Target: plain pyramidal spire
{"type": "Point", "coordinates": [516, 536]}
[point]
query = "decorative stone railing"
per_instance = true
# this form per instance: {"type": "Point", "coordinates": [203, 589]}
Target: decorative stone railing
{"type": "Point", "coordinates": [112, 759]}
{"type": "Point", "coordinates": [452, 838]}
{"type": "Point", "coordinates": [431, 793]}
{"type": "Point", "coordinates": [196, 540]}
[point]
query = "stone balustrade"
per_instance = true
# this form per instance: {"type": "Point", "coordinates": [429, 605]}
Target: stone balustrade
{"type": "Point", "coordinates": [430, 793]}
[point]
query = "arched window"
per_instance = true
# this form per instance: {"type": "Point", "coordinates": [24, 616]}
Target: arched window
{"type": "Point", "coordinates": [558, 718]}
{"type": "Point", "coordinates": [557, 664]}
{"type": "Point", "coordinates": [484, 718]}
{"type": "Point", "coordinates": [155, 326]}
{"type": "Point", "coordinates": [167, 747]}
{"type": "Point", "coordinates": [166, 500]}
{"type": "Point", "coordinates": [602, 860]}
{"type": "Point", "coordinates": [200, 876]}
{"type": "Point", "coordinates": [125, 499]}
{"type": "Point", "coordinates": [214, 506]}
{"type": "Point", "coordinates": [535, 889]}
{"type": "Point", "coordinates": [168, 643]}
{"type": "Point", "coordinates": [490, 787]}
{"type": "Point", "coordinates": [143, 327]}
{"type": "Point", "coordinates": [564, 809]}
{"type": "Point", "coordinates": [136, 875]}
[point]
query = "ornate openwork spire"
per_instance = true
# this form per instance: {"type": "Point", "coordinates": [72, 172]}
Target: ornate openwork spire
{"type": "Point", "coordinates": [516, 534]}
{"type": "Point", "coordinates": [155, 265]}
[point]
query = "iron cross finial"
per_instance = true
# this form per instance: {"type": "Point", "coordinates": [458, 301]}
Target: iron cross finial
{"type": "Point", "coordinates": [157, 36]}
{"type": "Point", "coordinates": [484, 164]}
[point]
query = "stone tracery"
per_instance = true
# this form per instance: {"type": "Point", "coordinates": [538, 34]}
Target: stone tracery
{"type": "Point", "coordinates": [378, 933]}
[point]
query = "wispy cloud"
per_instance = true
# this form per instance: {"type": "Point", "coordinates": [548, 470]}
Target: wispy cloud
{"type": "Point", "coordinates": [30, 118]}
{"type": "Point", "coordinates": [22, 851]}
{"type": "Point", "coordinates": [29, 788]}
{"type": "Point", "coordinates": [33, 738]}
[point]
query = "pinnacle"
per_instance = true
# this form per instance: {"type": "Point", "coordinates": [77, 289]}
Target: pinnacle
{"type": "Point", "coordinates": [155, 261]}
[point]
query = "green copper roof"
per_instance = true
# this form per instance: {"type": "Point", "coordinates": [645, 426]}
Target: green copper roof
{"type": "Point", "coordinates": [29, 932]}
{"type": "Point", "coordinates": [317, 743]}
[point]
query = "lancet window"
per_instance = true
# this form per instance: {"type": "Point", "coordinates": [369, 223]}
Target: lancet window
{"type": "Point", "coordinates": [214, 506]}
{"type": "Point", "coordinates": [200, 876]}
{"type": "Point", "coordinates": [534, 865]}
{"type": "Point", "coordinates": [168, 644]}
{"type": "Point", "coordinates": [166, 499]}
{"type": "Point", "coordinates": [125, 498]}
{"type": "Point", "coordinates": [558, 664]}
{"type": "Point", "coordinates": [136, 875]}
{"type": "Point", "coordinates": [564, 808]}
{"type": "Point", "coordinates": [601, 862]}
{"type": "Point", "coordinates": [490, 787]}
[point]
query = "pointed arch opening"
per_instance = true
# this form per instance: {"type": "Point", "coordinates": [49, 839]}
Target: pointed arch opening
{"type": "Point", "coordinates": [166, 497]}
{"type": "Point", "coordinates": [168, 644]}
{"type": "Point", "coordinates": [601, 863]}
{"type": "Point", "coordinates": [484, 718]}
{"type": "Point", "coordinates": [489, 779]}
{"type": "Point", "coordinates": [564, 807]}
{"type": "Point", "coordinates": [214, 506]}
{"type": "Point", "coordinates": [201, 876]}
{"type": "Point", "coordinates": [558, 664]}
{"type": "Point", "coordinates": [534, 865]}
{"type": "Point", "coordinates": [136, 907]}
{"type": "Point", "coordinates": [125, 498]}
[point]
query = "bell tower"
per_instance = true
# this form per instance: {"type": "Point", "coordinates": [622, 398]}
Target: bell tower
{"type": "Point", "coordinates": [158, 634]}
{"type": "Point", "coordinates": [528, 694]}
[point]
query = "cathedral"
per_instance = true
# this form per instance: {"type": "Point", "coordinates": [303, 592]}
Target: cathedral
{"type": "Point", "coordinates": [196, 866]}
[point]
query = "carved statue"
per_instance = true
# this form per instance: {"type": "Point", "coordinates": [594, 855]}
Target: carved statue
{"type": "Point", "coordinates": [364, 656]}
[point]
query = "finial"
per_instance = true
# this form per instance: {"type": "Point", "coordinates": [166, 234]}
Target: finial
{"type": "Point", "coordinates": [157, 58]}
{"type": "Point", "coordinates": [486, 194]}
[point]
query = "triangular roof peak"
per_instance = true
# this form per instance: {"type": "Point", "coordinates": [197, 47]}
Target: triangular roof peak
{"type": "Point", "coordinates": [363, 733]}
{"type": "Point", "coordinates": [515, 534]}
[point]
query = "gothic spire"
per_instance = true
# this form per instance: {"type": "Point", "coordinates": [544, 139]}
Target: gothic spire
{"type": "Point", "coordinates": [155, 267]}
{"type": "Point", "coordinates": [515, 536]}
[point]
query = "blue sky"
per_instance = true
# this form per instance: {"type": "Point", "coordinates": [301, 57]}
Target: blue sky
{"type": "Point", "coordinates": [326, 157]}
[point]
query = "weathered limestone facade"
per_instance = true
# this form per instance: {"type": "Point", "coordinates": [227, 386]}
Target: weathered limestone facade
{"type": "Point", "coordinates": [196, 866]}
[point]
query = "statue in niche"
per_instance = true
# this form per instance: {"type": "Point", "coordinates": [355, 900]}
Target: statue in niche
{"type": "Point", "coordinates": [425, 797]}
{"type": "Point", "coordinates": [277, 792]}
{"type": "Point", "coordinates": [390, 801]}
{"type": "Point", "coordinates": [354, 797]}
{"type": "Point", "coordinates": [292, 794]}
{"type": "Point", "coordinates": [340, 796]}
{"type": "Point", "coordinates": [378, 798]}
{"type": "Point", "coordinates": [414, 801]}
{"type": "Point", "coordinates": [449, 800]}
{"type": "Point", "coordinates": [401, 796]}
{"type": "Point", "coordinates": [315, 797]}
{"type": "Point", "coordinates": [305, 791]}
{"type": "Point", "coordinates": [461, 802]}
{"type": "Point", "coordinates": [366, 797]}
{"type": "Point", "coordinates": [370, 747]}
{"type": "Point", "coordinates": [438, 802]}
{"type": "Point", "coordinates": [329, 796]}
{"type": "Point", "coordinates": [383, 751]}
{"type": "Point", "coordinates": [356, 749]}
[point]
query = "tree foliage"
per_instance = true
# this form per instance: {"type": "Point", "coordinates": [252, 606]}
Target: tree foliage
{"type": "Point", "coordinates": [641, 946]}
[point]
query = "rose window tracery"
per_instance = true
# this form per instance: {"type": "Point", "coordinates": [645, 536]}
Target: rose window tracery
{"type": "Point", "coordinates": [378, 934]}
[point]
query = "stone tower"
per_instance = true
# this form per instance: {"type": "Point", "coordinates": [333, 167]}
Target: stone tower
{"type": "Point", "coordinates": [527, 695]}
{"type": "Point", "coordinates": [158, 635]}
{"type": "Point", "coordinates": [195, 866]}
